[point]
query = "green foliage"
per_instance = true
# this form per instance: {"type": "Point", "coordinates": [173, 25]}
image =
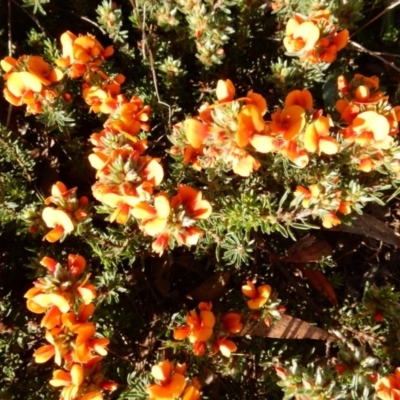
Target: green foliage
{"type": "Point", "coordinates": [170, 67]}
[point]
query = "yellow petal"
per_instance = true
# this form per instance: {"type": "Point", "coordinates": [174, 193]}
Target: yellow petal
{"type": "Point", "coordinates": [162, 205]}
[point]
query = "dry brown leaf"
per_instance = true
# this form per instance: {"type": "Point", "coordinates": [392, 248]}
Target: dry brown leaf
{"type": "Point", "coordinates": [307, 249]}
{"type": "Point", "coordinates": [319, 282]}
{"type": "Point", "coordinates": [286, 327]}
{"type": "Point", "coordinates": [211, 288]}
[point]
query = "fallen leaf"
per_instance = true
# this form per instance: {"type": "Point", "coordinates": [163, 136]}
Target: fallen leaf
{"type": "Point", "coordinates": [319, 282]}
{"type": "Point", "coordinates": [286, 327]}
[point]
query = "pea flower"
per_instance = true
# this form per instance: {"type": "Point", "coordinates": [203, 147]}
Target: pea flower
{"type": "Point", "coordinates": [258, 296]}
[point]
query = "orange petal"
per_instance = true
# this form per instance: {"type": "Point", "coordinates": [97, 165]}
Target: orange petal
{"type": "Point", "coordinates": [341, 39]}
{"type": "Point", "coordinates": [264, 291]}
{"type": "Point", "coordinates": [52, 318]}
{"type": "Point", "coordinates": [328, 145]}
{"type": "Point", "coordinates": [49, 263]}
{"type": "Point", "coordinates": [249, 290]}
{"type": "Point", "coordinates": [208, 318]}
{"type": "Point", "coordinates": [52, 299]}
{"type": "Point", "coordinates": [162, 371]}
{"type": "Point", "coordinates": [181, 332]}
{"type": "Point", "coordinates": [20, 82]}
{"type": "Point", "coordinates": [196, 132]}
{"type": "Point", "coordinates": [44, 353]}
{"type": "Point", "coordinates": [309, 32]}
{"type": "Point", "coordinates": [300, 98]}
{"type": "Point", "coordinates": [258, 100]}
{"type": "Point", "coordinates": [54, 217]}
{"type": "Point", "coordinates": [311, 139]}
{"type": "Point", "coordinates": [144, 211]}
{"type": "Point", "coordinates": [155, 226]}
{"type": "Point", "coordinates": [191, 393]}
{"type": "Point", "coordinates": [294, 117]}
{"type": "Point", "coordinates": [227, 347]}
{"type": "Point", "coordinates": [262, 143]}
{"type": "Point", "coordinates": [162, 205]}
{"type": "Point", "coordinates": [8, 63]}
{"type": "Point", "coordinates": [246, 165]}
{"type": "Point", "coordinates": [77, 374]}
{"type": "Point", "coordinates": [55, 234]}
{"type": "Point", "coordinates": [225, 90]}
{"type": "Point", "coordinates": [257, 303]}
{"type": "Point", "coordinates": [34, 307]}
{"type": "Point", "coordinates": [60, 378]}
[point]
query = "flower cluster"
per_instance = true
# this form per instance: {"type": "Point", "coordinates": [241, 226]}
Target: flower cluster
{"type": "Point", "coordinates": [126, 178]}
{"type": "Point", "coordinates": [81, 54]}
{"type": "Point", "coordinates": [314, 39]}
{"type": "Point", "coordinates": [71, 337]}
{"type": "Point", "coordinates": [199, 329]}
{"type": "Point", "coordinates": [226, 133]}
{"type": "Point", "coordinates": [69, 213]}
{"type": "Point", "coordinates": [171, 383]}
{"type": "Point", "coordinates": [371, 122]}
{"type": "Point", "coordinates": [264, 305]}
{"type": "Point", "coordinates": [218, 137]}
{"type": "Point", "coordinates": [388, 387]}
{"type": "Point", "coordinates": [173, 217]}
{"type": "Point", "coordinates": [29, 81]}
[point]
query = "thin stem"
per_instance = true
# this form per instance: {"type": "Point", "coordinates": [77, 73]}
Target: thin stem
{"type": "Point", "coordinates": [375, 54]}
{"type": "Point", "coordinates": [10, 107]}
{"type": "Point", "coordinates": [388, 8]}
{"type": "Point", "coordinates": [34, 19]}
{"type": "Point", "coordinates": [146, 46]}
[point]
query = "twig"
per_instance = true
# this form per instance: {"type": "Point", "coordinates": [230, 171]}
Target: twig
{"type": "Point", "coordinates": [82, 17]}
{"type": "Point", "coordinates": [10, 54]}
{"type": "Point", "coordinates": [388, 8]}
{"type": "Point", "coordinates": [34, 19]}
{"type": "Point", "coordinates": [361, 48]}
{"type": "Point", "coordinates": [9, 29]}
{"type": "Point", "coordinates": [146, 46]}
{"type": "Point", "coordinates": [90, 22]}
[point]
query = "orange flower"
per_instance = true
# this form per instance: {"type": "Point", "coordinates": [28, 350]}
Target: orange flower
{"type": "Point", "coordinates": [316, 137]}
{"type": "Point", "coordinates": [295, 154]}
{"type": "Point", "coordinates": [60, 288]}
{"type": "Point", "coordinates": [78, 52]}
{"type": "Point", "coordinates": [370, 129]}
{"type": "Point", "coordinates": [70, 380]}
{"type": "Point", "coordinates": [330, 220]}
{"type": "Point", "coordinates": [197, 132]}
{"type": "Point", "coordinates": [130, 117]}
{"type": "Point", "coordinates": [154, 218]}
{"type": "Point", "coordinates": [199, 348]}
{"type": "Point", "coordinates": [191, 201]}
{"type": "Point", "coordinates": [191, 393]}
{"type": "Point", "coordinates": [171, 382]}
{"type": "Point", "coordinates": [288, 122]}
{"type": "Point", "coordinates": [258, 296]}
{"type": "Point", "coordinates": [302, 98]}
{"type": "Point", "coordinates": [199, 326]}
{"type": "Point", "coordinates": [70, 212]}
{"type": "Point", "coordinates": [301, 37]}
{"type": "Point", "coordinates": [250, 122]}
{"type": "Point", "coordinates": [59, 220]}
{"type": "Point", "coordinates": [231, 322]}
{"type": "Point", "coordinates": [388, 388]}
{"type": "Point", "coordinates": [225, 346]}
{"type": "Point", "coordinates": [27, 86]}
